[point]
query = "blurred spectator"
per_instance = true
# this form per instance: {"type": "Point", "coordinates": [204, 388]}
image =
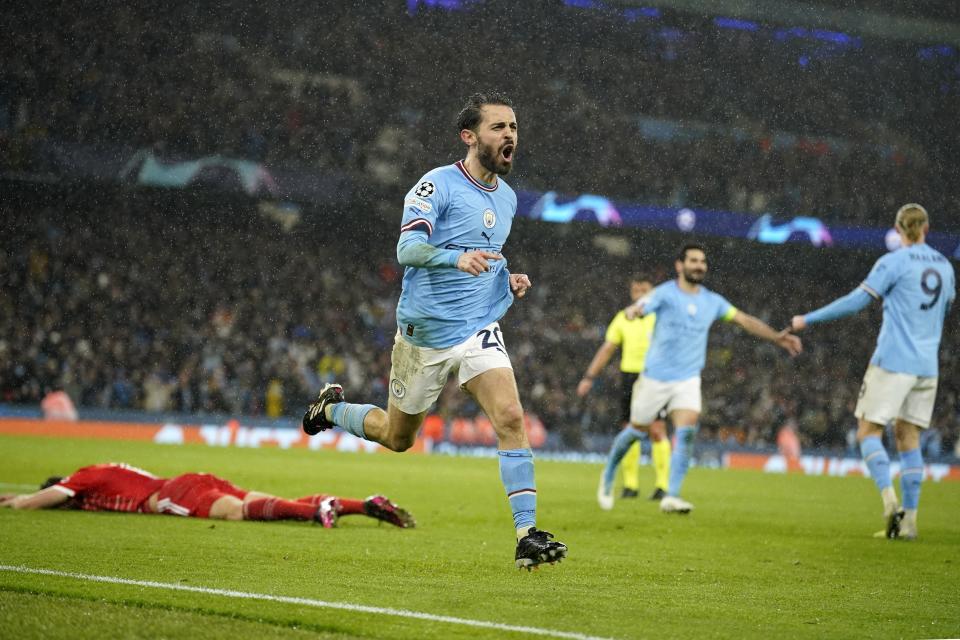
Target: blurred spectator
{"type": "Point", "coordinates": [56, 405]}
{"type": "Point", "coordinates": [158, 391]}
{"type": "Point", "coordinates": [788, 443]}
{"type": "Point", "coordinates": [274, 399]}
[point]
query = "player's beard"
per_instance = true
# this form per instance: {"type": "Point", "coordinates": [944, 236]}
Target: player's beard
{"type": "Point", "coordinates": [694, 276]}
{"type": "Point", "coordinates": [490, 159]}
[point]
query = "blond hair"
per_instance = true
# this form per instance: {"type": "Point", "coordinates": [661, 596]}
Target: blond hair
{"type": "Point", "coordinates": [912, 219]}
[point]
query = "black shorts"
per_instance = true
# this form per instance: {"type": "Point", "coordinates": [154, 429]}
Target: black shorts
{"type": "Point", "coordinates": [626, 394]}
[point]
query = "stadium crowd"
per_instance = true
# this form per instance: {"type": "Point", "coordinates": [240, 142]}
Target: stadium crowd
{"type": "Point", "coordinates": [929, 9]}
{"type": "Point", "coordinates": [162, 301]}
{"type": "Point", "coordinates": [659, 107]}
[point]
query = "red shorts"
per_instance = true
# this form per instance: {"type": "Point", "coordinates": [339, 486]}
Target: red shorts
{"type": "Point", "coordinates": [192, 494]}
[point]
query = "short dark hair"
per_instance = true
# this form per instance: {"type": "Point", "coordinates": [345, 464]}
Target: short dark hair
{"type": "Point", "coordinates": [52, 480]}
{"type": "Point", "coordinates": [699, 246]}
{"type": "Point", "coordinates": [640, 277]}
{"type": "Point", "coordinates": [470, 116]}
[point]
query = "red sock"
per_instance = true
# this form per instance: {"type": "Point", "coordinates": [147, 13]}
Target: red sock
{"type": "Point", "coordinates": [278, 509]}
{"type": "Point", "coordinates": [348, 507]}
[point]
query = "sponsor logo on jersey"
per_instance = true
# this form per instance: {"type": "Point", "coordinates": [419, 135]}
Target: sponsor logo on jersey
{"type": "Point", "coordinates": [692, 309]}
{"type": "Point", "coordinates": [489, 218]}
{"type": "Point", "coordinates": [425, 189]}
{"type": "Point", "coordinates": [421, 204]}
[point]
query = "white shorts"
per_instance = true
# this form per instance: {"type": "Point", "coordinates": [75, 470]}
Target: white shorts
{"type": "Point", "coordinates": [886, 396]}
{"type": "Point", "coordinates": [650, 396]}
{"type": "Point", "coordinates": [418, 374]}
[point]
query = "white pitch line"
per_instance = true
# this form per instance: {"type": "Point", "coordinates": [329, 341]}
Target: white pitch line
{"type": "Point", "coordinates": [346, 606]}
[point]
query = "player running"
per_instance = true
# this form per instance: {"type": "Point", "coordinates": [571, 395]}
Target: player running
{"type": "Point", "coordinates": [633, 336]}
{"type": "Point", "coordinates": [917, 286]}
{"type": "Point", "coordinates": [456, 287]}
{"type": "Point", "coordinates": [121, 487]}
{"type": "Point", "coordinates": [671, 378]}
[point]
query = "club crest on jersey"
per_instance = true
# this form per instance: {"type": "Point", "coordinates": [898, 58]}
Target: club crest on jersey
{"type": "Point", "coordinates": [425, 189]}
{"type": "Point", "coordinates": [397, 388]}
{"type": "Point", "coordinates": [692, 309]}
{"type": "Point", "coordinates": [489, 218]}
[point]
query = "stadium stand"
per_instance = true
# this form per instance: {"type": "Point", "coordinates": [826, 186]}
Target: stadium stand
{"type": "Point", "coordinates": [181, 301]}
{"type": "Point", "coordinates": [194, 302]}
{"type": "Point", "coordinates": [661, 107]}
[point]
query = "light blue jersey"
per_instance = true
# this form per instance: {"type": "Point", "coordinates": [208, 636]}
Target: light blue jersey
{"type": "Point", "coordinates": [917, 285]}
{"type": "Point", "coordinates": [441, 306]}
{"type": "Point", "coordinates": [678, 349]}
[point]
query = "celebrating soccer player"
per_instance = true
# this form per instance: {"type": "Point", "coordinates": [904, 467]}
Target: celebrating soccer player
{"type": "Point", "coordinates": [671, 378]}
{"type": "Point", "coordinates": [634, 338]}
{"type": "Point", "coordinates": [121, 487]}
{"type": "Point", "coordinates": [917, 285]}
{"type": "Point", "coordinates": [456, 287]}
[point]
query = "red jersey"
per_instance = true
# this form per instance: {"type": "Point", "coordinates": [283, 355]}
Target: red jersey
{"type": "Point", "coordinates": [110, 487]}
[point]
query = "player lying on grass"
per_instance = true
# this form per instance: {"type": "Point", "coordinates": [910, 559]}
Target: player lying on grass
{"type": "Point", "coordinates": [121, 487]}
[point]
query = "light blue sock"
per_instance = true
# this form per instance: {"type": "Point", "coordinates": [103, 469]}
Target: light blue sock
{"type": "Point", "coordinates": [911, 475]}
{"type": "Point", "coordinates": [516, 473]}
{"type": "Point", "coordinates": [349, 417]}
{"type": "Point", "coordinates": [619, 449]}
{"type": "Point", "coordinates": [645, 444]}
{"type": "Point", "coordinates": [680, 458]}
{"type": "Point", "coordinates": [877, 460]}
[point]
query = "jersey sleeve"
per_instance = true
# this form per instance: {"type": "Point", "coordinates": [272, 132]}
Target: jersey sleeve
{"type": "Point", "coordinates": [725, 310]}
{"type": "Point", "coordinates": [423, 204]}
{"type": "Point", "coordinates": [77, 482]}
{"type": "Point", "coordinates": [881, 278]}
{"type": "Point", "coordinates": [841, 307]}
{"type": "Point", "coordinates": [615, 329]}
{"type": "Point", "coordinates": [653, 301]}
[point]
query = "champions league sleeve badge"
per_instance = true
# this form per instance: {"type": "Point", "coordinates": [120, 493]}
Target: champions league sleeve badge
{"type": "Point", "coordinates": [425, 189]}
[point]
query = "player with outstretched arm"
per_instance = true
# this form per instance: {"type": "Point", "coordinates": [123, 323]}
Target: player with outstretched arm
{"type": "Point", "coordinates": [671, 378]}
{"type": "Point", "coordinates": [917, 285]}
{"type": "Point", "coordinates": [456, 287]}
{"type": "Point", "coordinates": [633, 338]}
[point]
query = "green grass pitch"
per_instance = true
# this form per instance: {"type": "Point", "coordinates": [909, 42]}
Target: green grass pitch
{"type": "Point", "coordinates": [761, 556]}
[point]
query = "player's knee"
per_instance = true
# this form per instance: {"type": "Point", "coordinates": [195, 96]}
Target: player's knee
{"type": "Point", "coordinates": [226, 508]}
{"type": "Point", "coordinates": [227, 513]}
{"type": "Point", "coordinates": [510, 417]}
{"type": "Point", "coordinates": [657, 430]}
{"type": "Point", "coordinates": [906, 437]}
{"type": "Point", "coordinates": [400, 442]}
{"type": "Point", "coordinates": [867, 429]}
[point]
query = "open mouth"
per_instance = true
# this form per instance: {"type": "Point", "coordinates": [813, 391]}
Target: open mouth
{"type": "Point", "coordinates": [507, 153]}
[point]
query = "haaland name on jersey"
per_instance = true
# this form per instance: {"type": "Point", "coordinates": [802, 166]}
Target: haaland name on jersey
{"type": "Point", "coordinates": [917, 285]}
